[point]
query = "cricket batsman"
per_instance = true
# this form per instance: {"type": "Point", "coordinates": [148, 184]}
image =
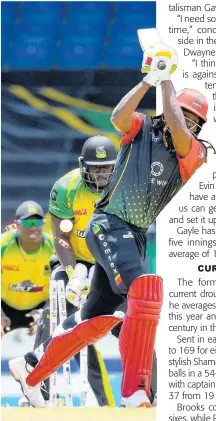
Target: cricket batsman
{"type": "Point", "coordinates": [157, 157]}
{"type": "Point", "coordinates": [72, 199]}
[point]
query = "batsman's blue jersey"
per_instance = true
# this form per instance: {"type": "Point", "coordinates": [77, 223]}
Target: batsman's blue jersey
{"type": "Point", "coordinates": [146, 175]}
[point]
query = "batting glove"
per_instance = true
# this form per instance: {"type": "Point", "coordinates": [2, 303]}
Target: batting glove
{"type": "Point", "coordinates": [36, 315]}
{"type": "Point", "coordinates": [77, 284]}
{"type": "Point", "coordinates": [159, 63]}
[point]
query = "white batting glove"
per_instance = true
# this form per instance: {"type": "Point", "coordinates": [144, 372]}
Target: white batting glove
{"type": "Point", "coordinates": [78, 288]}
{"type": "Point", "coordinates": [84, 294]}
{"type": "Point", "coordinates": [159, 63]}
{"type": "Point", "coordinates": [81, 288]}
{"type": "Point", "coordinates": [76, 284]}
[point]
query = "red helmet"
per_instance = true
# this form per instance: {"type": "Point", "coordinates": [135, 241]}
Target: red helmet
{"type": "Point", "coordinates": [194, 102]}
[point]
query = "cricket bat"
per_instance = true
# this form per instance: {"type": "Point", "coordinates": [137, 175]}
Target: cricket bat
{"type": "Point", "coordinates": [148, 38]}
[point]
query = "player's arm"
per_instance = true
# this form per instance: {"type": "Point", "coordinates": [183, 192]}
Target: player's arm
{"type": "Point", "coordinates": [5, 320]}
{"type": "Point", "coordinates": [60, 209]}
{"type": "Point", "coordinates": [122, 114]}
{"type": "Point", "coordinates": [175, 120]}
{"type": "Point", "coordinates": [62, 244]}
{"type": "Point", "coordinates": [77, 273]}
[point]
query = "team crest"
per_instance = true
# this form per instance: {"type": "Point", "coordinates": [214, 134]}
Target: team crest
{"type": "Point", "coordinates": [54, 194]}
{"type": "Point", "coordinates": [101, 152]}
{"type": "Point", "coordinates": [32, 208]}
{"type": "Point", "coordinates": [198, 102]}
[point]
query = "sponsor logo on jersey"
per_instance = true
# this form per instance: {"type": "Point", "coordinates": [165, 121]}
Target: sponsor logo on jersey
{"type": "Point", "coordinates": [198, 102]}
{"type": "Point", "coordinates": [80, 234]}
{"type": "Point", "coordinates": [101, 237]}
{"type": "Point", "coordinates": [128, 235]}
{"type": "Point", "coordinates": [156, 169]}
{"type": "Point", "coordinates": [25, 286]}
{"type": "Point", "coordinates": [101, 152]}
{"type": "Point", "coordinates": [107, 251]}
{"type": "Point", "coordinates": [81, 212]}
{"type": "Point", "coordinates": [158, 182]}
{"type": "Point", "coordinates": [15, 268]}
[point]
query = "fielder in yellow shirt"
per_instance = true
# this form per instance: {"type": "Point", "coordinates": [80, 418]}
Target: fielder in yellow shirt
{"type": "Point", "coordinates": [73, 197]}
{"type": "Point", "coordinates": [25, 256]}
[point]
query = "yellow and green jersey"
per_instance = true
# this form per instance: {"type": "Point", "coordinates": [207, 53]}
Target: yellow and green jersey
{"type": "Point", "coordinates": [70, 198]}
{"type": "Point", "coordinates": [25, 276]}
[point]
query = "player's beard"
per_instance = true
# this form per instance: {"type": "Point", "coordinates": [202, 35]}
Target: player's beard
{"type": "Point", "coordinates": [192, 126]}
{"type": "Point", "coordinates": [98, 182]}
{"type": "Point", "coordinates": [167, 140]}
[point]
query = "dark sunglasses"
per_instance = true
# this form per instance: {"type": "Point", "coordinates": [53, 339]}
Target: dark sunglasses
{"type": "Point", "coordinates": [28, 223]}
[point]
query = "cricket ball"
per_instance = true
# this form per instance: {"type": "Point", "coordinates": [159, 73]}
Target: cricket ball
{"type": "Point", "coordinates": [66, 225]}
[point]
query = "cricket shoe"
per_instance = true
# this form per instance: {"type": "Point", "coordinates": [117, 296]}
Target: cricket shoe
{"type": "Point", "coordinates": [154, 403]}
{"type": "Point", "coordinates": [20, 369]}
{"type": "Point", "coordinates": [137, 400]}
{"type": "Point", "coordinates": [32, 360]}
{"type": "Point", "coordinates": [23, 402]}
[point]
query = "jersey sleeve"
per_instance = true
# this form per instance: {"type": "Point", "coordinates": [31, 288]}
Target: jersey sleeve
{"type": "Point", "coordinates": [59, 203]}
{"type": "Point", "coordinates": [49, 240]}
{"type": "Point", "coordinates": [6, 239]}
{"type": "Point", "coordinates": [192, 161]}
{"type": "Point", "coordinates": [6, 236]}
{"type": "Point", "coordinates": [137, 122]}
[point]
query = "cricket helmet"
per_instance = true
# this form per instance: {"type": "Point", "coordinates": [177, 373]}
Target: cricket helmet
{"type": "Point", "coordinates": [194, 102]}
{"type": "Point", "coordinates": [97, 151]}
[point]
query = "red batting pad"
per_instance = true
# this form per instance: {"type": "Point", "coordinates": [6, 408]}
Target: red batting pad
{"type": "Point", "coordinates": [137, 336]}
{"type": "Point", "coordinates": [66, 345]}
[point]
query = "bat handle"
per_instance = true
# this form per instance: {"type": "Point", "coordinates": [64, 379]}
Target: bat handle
{"type": "Point", "coordinates": [161, 65]}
